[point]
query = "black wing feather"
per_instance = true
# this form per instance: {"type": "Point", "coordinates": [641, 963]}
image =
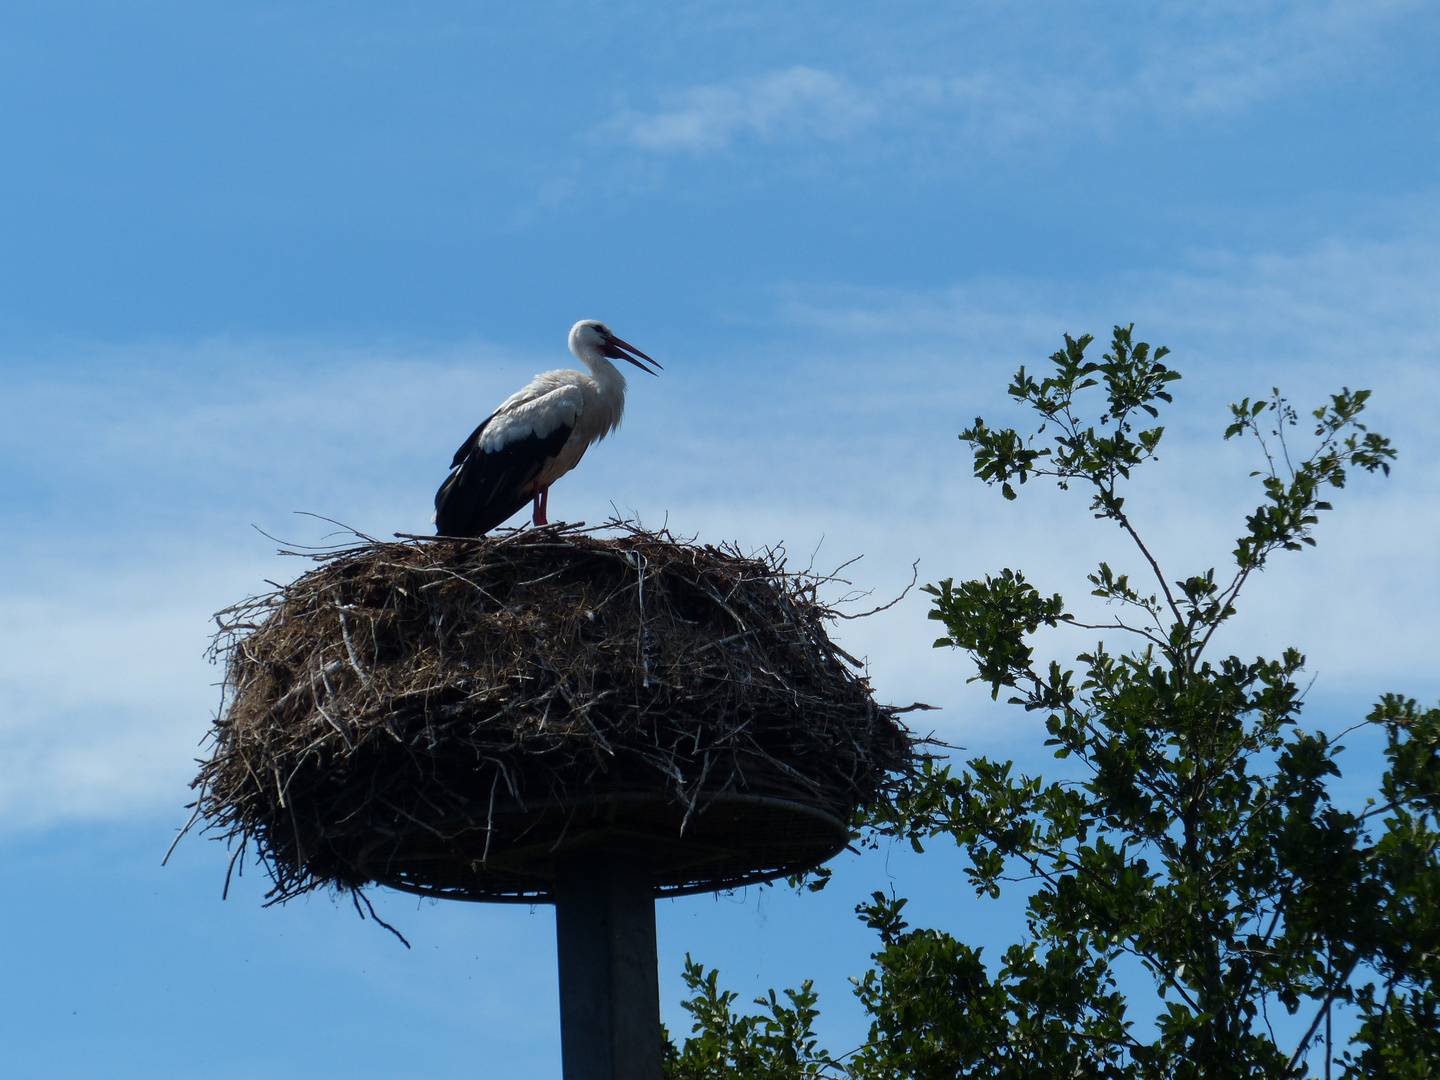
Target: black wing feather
{"type": "Point", "coordinates": [484, 488]}
{"type": "Point", "coordinates": [469, 444]}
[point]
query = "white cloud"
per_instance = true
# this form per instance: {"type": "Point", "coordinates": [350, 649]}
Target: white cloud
{"type": "Point", "coordinates": [1180, 64]}
{"type": "Point", "coordinates": [802, 105]}
{"type": "Point", "coordinates": [101, 707]}
{"type": "Point", "coordinates": [800, 102]}
{"type": "Point", "coordinates": [842, 430]}
{"type": "Point", "coordinates": [1362, 605]}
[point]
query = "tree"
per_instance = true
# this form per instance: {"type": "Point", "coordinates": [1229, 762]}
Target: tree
{"type": "Point", "coordinates": [1200, 839]}
{"type": "Point", "coordinates": [780, 1045]}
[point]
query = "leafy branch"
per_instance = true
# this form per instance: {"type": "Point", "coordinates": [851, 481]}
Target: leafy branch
{"type": "Point", "coordinates": [1202, 840]}
{"type": "Point", "coordinates": [1200, 837]}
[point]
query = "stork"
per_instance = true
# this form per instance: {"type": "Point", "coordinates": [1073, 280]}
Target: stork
{"type": "Point", "coordinates": [536, 436]}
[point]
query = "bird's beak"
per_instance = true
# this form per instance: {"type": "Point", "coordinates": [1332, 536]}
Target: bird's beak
{"type": "Point", "coordinates": [616, 349]}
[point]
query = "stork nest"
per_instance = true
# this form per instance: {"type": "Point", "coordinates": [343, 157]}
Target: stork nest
{"type": "Point", "coordinates": [445, 715]}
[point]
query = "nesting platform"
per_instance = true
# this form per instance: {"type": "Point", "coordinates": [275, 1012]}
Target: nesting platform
{"type": "Point", "coordinates": [457, 717]}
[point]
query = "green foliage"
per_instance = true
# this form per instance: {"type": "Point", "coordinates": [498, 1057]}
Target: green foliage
{"type": "Point", "coordinates": [1200, 840]}
{"type": "Point", "coordinates": [778, 1045]}
{"type": "Point", "coordinates": [1133, 379]}
{"type": "Point", "coordinates": [938, 1013]}
{"type": "Point", "coordinates": [1400, 1033]}
{"type": "Point", "coordinates": [991, 619]}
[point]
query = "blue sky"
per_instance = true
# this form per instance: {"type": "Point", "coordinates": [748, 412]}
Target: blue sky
{"type": "Point", "coordinates": [268, 258]}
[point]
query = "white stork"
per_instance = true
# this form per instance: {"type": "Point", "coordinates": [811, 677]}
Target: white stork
{"type": "Point", "coordinates": [536, 437]}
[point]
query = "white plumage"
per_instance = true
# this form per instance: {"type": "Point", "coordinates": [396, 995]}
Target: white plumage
{"type": "Point", "coordinates": [537, 436]}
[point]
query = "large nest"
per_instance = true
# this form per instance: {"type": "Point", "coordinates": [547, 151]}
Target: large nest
{"type": "Point", "coordinates": [446, 716]}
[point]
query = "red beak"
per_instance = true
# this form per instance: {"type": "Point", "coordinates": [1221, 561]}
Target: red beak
{"type": "Point", "coordinates": [623, 350]}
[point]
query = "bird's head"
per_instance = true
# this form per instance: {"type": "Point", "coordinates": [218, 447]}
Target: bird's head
{"type": "Point", "coordinates": [590, 338]}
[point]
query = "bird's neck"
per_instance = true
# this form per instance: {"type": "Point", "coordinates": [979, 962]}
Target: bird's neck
{"type": "Point", "coordinates": [607, 375]}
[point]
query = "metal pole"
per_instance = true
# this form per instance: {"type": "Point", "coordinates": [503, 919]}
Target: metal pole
{"type": "Point", "coordinates": [609, 988]}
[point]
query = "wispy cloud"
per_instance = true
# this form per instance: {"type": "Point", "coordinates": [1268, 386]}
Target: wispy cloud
{"type": "Point", "coordinates": [840, 433]}
{"type": "Point", "coordinates": [804, 106]}
{"type": "Point", "coordinates": [800, 102]}
{"type": "Point", "coordinates": [1187, 64]}
{"type": "Point", "coordinates": [1356, 313]}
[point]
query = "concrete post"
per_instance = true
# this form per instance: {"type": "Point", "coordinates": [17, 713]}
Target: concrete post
{"type": "Point", "coordinates": [609, 987]}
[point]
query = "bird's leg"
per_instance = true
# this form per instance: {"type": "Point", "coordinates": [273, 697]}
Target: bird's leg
{"type": "Point", "coordinates": [542, 500]}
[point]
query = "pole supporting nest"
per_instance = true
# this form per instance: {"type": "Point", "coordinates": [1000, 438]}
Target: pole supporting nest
{"type": "Point", "coordinates": [609, 989]}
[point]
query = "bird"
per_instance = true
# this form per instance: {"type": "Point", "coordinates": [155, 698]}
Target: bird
{"type": "Point", "coordinates": [537, 436]}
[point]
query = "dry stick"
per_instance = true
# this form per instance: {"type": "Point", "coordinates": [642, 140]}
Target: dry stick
{"type": "Point", "coordinates": [350, 650]}
{"type": "Point", "coordinates": [490, 819]}
{"type": "Point", "coordinates": [230, 869]}
{"type": "Point", "coordinates": [640, 565]}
